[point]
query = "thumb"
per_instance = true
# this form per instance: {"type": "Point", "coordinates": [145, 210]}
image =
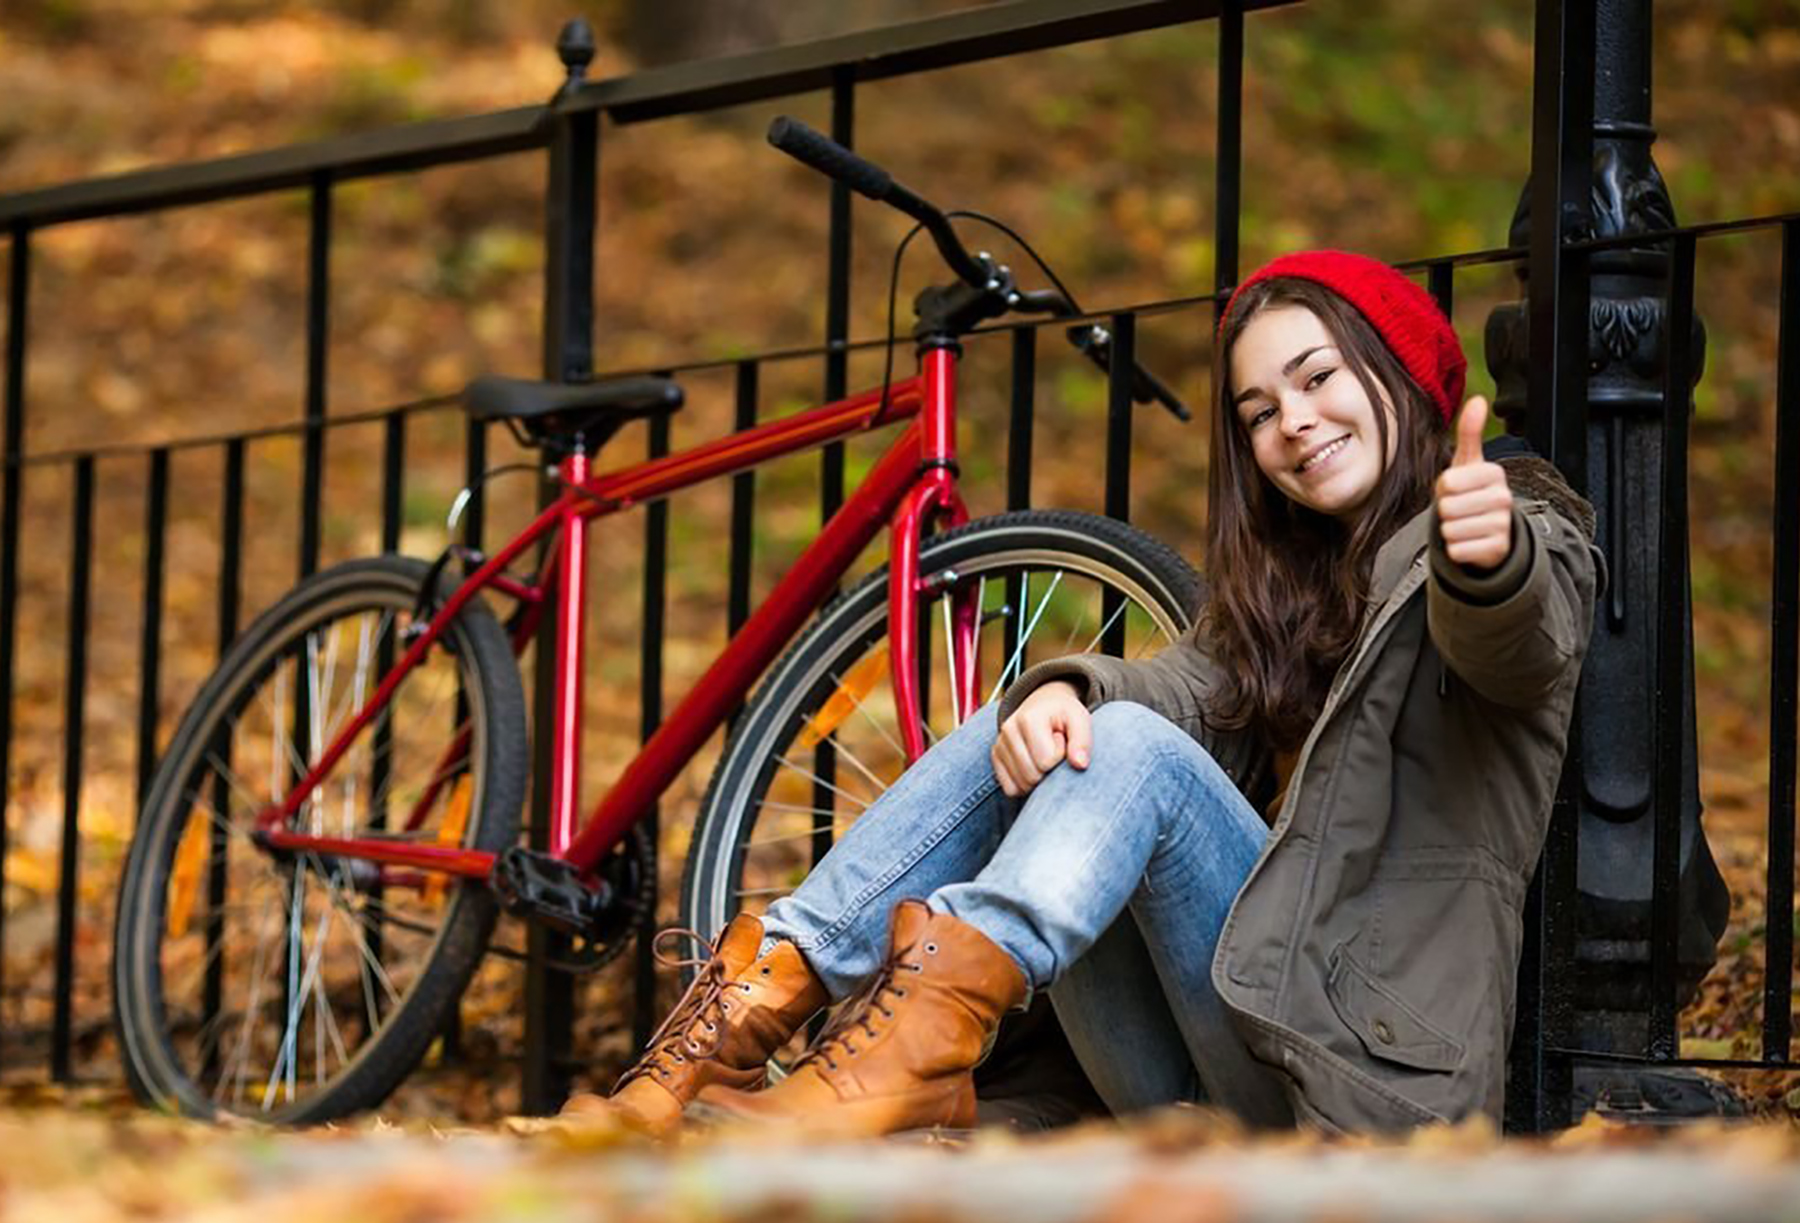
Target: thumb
{"type": "Point", "coordinates": [1079, 732]}
{"type": "Point", "coordinates": [1469, 427]}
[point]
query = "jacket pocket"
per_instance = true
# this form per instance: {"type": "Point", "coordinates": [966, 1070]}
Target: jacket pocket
{"type": "Point", "coordinates": [1387, 1027]}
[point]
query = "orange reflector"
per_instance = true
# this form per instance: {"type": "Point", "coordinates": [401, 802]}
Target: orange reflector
{"type": "Point", "coordinates": [450, 832]}
{"type": "Point", "coordinates": [850, 693]}
{"type": "Point", "coordinates": [184, 878]}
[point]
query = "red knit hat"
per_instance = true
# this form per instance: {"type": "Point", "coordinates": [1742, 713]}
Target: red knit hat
{"type": "Point", "coordinates": [1403, 315]}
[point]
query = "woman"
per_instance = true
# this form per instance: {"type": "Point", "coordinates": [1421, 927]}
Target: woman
{"type": "Point", "coordinates": [1391, 648]}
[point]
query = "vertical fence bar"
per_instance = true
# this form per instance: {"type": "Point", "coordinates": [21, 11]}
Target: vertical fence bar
{"type": "Point", "coordinates": [1118, 461]}
{"type": "Point", "coordinates": [1021, 422]}
{"type": "Point", "coordinates": [1784, 648]}
{"type": "Point", "coordinates": [12, 475]}
{"type": "Point", "coordinates": [837, 288]}
{"type": "Point", "coordinates": [1541, 1086]}
{"type": "Point", "coordinates": [1671, 615]}
{"type": "Point", "coordinates": [1229, 158]}
{"type": "Point", "coordinates": [231, 551]}
{"type": "Point", "coordinates": [474, 524]}
{"type": "Point", "coordinates": [393, 482]}
{"type": "Point", "coordinates": [650, 700]}
{"type": "Point", "coordinates": [475, 459]}
{"type": "Point", "coordinates": [831, 475]}
{"type": "Point", "coordinates": [74, 700]}
{"type": "Point", "coordinates": [156, 518]}
{"type": "Point", "coordinates": [312, 469]}
{"type": "Point", "coordinates": [1440, 282]}
{"type": "Point", "coordinates": [393, 492]}
{"type": "Point", "coordinates": [1022, 418]}
{"type": "Point", "coordinates": [571, 199]}
{"type": "Point", "coordinates": [318, 344]}
{"type": "Point", "coordinates": [743, 506]}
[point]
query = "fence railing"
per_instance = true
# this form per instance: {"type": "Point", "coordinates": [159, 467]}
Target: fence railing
{"type": "Point", "coordinates": [567, 133]}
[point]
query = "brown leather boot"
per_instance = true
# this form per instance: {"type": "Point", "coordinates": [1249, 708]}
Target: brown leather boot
{"type": "Point", "coordinates": [899, 1054]}
{"type": "Point", "coordinates": [733, 1018]}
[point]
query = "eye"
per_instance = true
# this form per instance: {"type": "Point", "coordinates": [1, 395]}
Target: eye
{"type": "Point", "coordinates": [1258, 416]}
{"type": "Point", "coordinates": [1317, 379]}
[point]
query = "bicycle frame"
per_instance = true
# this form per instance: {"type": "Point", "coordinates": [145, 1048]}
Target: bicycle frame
{"type": "Point", "coordinates": [912, 489]}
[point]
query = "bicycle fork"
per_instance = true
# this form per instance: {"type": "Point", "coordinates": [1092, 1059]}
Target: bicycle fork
{"type": "Point", "coordinates": [932, 501]}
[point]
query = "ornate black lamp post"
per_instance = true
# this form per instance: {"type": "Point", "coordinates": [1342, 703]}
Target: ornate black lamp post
{"type": "Point", "coordinates": [1627, 347]}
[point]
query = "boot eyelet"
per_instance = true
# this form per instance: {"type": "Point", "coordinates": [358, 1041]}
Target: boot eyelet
{"type": "Point", "coordinates": [712, 1027]}
{"type": "Point", "coordinates": [931, 949]}
{"type": "Point", "coordinates": [900, 992]}
{"type": "Point", "coordinates": [745, 987]}
{"type": "Point", "coordinates": [725, 1005]}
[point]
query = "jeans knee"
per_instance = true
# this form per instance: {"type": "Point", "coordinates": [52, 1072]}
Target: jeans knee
{"type": "Point", "coordinates": [1140, 728]}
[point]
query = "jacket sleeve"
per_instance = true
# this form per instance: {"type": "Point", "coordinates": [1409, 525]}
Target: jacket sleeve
{"type": "Point", "coordinates": [1177, 683]}
{"type": "Point", "coordinates": [1513, 634]}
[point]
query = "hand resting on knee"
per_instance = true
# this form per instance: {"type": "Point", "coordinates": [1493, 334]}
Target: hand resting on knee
{"type": "Point", "coordinates": [1052, 725]}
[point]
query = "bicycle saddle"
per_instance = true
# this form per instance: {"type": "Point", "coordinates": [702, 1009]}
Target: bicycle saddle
{"type": "Point", "coordinates": [595, 409]}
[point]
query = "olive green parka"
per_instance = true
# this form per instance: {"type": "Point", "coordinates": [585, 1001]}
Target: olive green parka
{"type": "Point", "coordinates": [1371, 957]}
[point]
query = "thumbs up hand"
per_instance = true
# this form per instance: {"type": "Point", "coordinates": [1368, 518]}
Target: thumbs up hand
{"type": "Point", "coordinates": [1474, 502]}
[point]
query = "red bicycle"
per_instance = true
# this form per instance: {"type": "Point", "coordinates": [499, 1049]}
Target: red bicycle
{"type": "Point", "coordinates": [334, 828]}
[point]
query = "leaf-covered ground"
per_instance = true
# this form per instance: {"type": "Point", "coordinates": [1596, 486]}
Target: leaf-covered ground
{"type": "Point", "coordinates": [1382, 126]}
{"type": "Point", "coordinates": [75, 1160]}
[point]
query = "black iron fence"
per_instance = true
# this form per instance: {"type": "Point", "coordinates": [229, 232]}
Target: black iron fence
{"type": "Point", "coordinates": [1555, 263]}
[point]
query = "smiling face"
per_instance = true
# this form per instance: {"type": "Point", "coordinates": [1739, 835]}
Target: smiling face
{"type": "Point", "coordinates": [1310, 422]}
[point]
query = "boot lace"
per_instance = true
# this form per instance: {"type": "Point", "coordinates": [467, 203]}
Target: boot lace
{"type": "Point", "coordinates": [857, 1014]}
{"type": "Point", "coordinates": [703, 1006]}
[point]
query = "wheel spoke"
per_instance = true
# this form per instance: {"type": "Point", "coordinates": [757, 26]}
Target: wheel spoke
{"type": "Point", "coordinates": [817, 780]}
{"type": "Point", "coordinates": [1110, 621]}
{"type": "Point", "coordinates": [1025, 635]}
{"type": "Point", "coordinates": [881, 784]}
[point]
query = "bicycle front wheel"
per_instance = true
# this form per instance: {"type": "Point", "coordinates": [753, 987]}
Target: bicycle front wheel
{"type": "Point", "coordinates": [819, 743]}
{"type": "Point", "coordinates": [294, 987]}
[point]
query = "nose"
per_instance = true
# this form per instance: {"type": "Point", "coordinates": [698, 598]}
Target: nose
{"type": "Point", "coordinates": [1297, 416]}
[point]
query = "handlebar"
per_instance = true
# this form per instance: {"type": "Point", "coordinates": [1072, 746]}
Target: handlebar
{"type": "Point", "coordinates": [833, 160]}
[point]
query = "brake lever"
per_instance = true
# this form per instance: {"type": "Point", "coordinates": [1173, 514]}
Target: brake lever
{"type": "Point", "coordinates": [1095, 342]}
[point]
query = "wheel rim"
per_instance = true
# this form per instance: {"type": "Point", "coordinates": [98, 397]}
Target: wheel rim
{"type": "Point", "coordinates": [1055, 604]}
{"type": "Point", "coordinates": [270, 977]}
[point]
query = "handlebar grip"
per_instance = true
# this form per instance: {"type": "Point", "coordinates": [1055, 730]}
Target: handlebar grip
{"type": "Point", "coordinates": [830, 158]}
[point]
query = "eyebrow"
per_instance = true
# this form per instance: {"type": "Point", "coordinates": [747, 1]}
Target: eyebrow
{"type": "Point", "coordinates": [1293, 364]}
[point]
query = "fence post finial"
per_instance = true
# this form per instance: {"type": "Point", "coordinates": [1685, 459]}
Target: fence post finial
{"type": "Point", "coordinates": [575, 46]}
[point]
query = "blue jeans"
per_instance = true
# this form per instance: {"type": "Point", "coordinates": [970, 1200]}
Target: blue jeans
{"type": "Point", "coordinates": [1152, 824]}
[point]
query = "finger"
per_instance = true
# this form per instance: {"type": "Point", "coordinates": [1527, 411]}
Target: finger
{"type": "Point", "coordinates": [1470, 477]}
{"type": "Point", "coordinates": [1469, 427]}
{"type": "Point", "coordinates": [1008, 786]}
{"type": "Point", "coordinates": [1492, 499]}
{"type": "Point", "coordinates": [1477, 526]}
{"type": "Point", "coordinates": [1078, 728]}
{"type": "Point", "coordinates": [1484, 553]}
{"type": "Point", "coordinates": [1025, 773]}
{"type": "Point", "coordinates": [1045, 744]}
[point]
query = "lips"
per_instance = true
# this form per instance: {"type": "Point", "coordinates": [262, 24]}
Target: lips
{"type": "Point", "coordinates": [1321, 454]}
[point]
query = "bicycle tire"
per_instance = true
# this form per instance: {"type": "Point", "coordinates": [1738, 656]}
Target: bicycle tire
{"type": "Point", "coordinates": [198, 807]}
{"type": "Point", "coordinates": [1102, 553]}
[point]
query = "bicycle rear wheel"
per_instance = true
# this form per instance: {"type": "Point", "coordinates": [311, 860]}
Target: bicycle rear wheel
{"type": "Point", "coordinates": [292, 987]}
{"type": "Point", "coordinates": [819, 742]}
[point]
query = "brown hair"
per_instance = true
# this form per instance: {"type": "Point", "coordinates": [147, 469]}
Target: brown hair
{"type": "Point", "coordinates": [1288, 583]}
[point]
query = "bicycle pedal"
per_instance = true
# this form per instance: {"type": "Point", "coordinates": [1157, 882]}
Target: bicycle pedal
{"type": "Point", "coordinates": [547, 890]}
